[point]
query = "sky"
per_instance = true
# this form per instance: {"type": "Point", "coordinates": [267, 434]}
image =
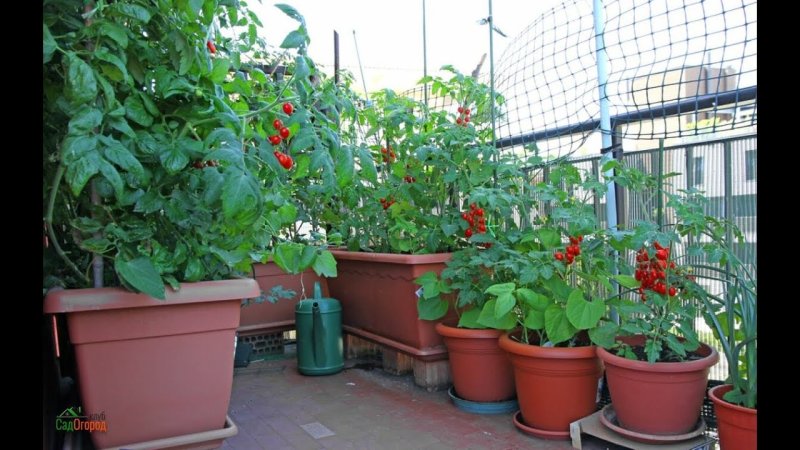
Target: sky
{"type": "Point", "coordinates": [389, 34]}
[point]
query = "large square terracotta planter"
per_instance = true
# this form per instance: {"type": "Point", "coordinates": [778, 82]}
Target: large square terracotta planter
{"type": "Point", "coordinates": [154, 368]}
{"type": "Point", "coordinates": [379, 300]}
{"type": "Point", "coordinates": [266, 317]}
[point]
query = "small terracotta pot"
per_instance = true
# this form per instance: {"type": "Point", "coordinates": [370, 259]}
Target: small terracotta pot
{"type": "Point", "coordinates": [662, 398]}
{"type": "Point", "coordinates": [480, 368]}
{"type": "Point", "coordinates": [555, 385]}
{"type": "Point", "coordinates": [737, 426]}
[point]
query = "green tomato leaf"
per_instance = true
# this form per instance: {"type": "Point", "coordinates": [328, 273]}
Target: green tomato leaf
{"type": "Point", "coordinates": [301, 165]}
{"type": "Point", "coordinates": [220, 70]}
{"type": "Point", "coordinates": [150, 202]}
{"type": "Point", "coordinates": [121, 125]}
{"type": "Point", "coordinates": [302, 140]}
{"type": "Point", "coordinates": [582, 314]}
{"type": "Point", "coordinates": [549, 238]}
{"type": "Point", "coordinates": [626, 281]}
{"type": "Point", "coordinates": [534, 320]}
{"type": "Point", "coordinates": [294, 39]}
{"type": "Point", "coordinates": [194, 270]}
{"type": "Point", "coordinates": [174, 159]}
{"type": "Point", "coordinates": [291, 12]}
{"type": "Point", "coordinates": [85, 120]}
{"type": "Point", "coordinates": [142, 275]}
{"type": "Point", "coordinates": [505, 303]}
{"type": "Point", "coordinates": [488, 319]}
{"type": "Point", "coordinates": [133, 11]}
{"type": "Point", "coordinates": [287, 213]}
{"type": "Point", "coordinates": [325, 264]}
{"type": "Point", "coordinates": [431, 308]}
{"type": "Point", "coordinates": [135, 111]}
{"type": "Point", "coordinates": [301, 68]}
{"type": "Point", "coordinates": [604, 335]}
{"type": "Point", "coordinates": [112, 176]}
{"type": "Point", "coordinates": [367, 164]}
{"type": "Point", "coordinates": [96, 245]}
{"type": "Point", "coordinates": [557, 325]}
{"type": "Point", "coordinates": [48, 44]}
{"type": "Point", "coordinates": [115, 32]}
{"type": "Point", "coordinates": [345, 167]}
{"type": "Point", "coordinates": [79, 172]}
{"type": "Point", "coordinates": [81, 84]}
{"type": "Point", "coordinates": [469, 319]}
{"type": "Point", "coordinates": [500, 289]}
{"type": "Point", "coordinates": [122, 157]}
{"type": "Point", "coordinates": [104, 55]}
{"type": "Point", "coordinates": [75, 147]}
{"type": "Point", "coordinates": [241, 198]}
{"type": "Point", "coordinates": [561, 290]}
{"type": "Point", "coordinates": [214, 182]}
{"type": "Point", "coordinates": [287, 256]}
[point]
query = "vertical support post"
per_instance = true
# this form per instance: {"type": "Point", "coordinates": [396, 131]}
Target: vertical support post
{"type": "Point", "coordinates": [660, 192]}
{"type": "Point", "coordinates": [605, 126]}
{"type": "Point", "coordinates": [491, 73]}
{"type": "Point", "coordinates": [728, 162]}
{"type": "Point", "coordinates": [619, 191]}
{"type": "Point", "coordinates": [361, 68]}
{"type": "Point", "coordinates": [425, 51]}
{"type": "Point", "coordinates": [605, 114]}
{"type": "Point", "coordinates": [335, 57]}
{"type": "Point", "coordinates": [689, 178]}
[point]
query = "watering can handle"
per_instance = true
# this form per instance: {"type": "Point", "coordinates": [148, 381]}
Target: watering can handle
{"type": "Point", "coordinates": [317, 333]}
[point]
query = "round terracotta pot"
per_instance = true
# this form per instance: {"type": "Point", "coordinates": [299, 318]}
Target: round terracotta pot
{"type": "Point", "coordinates": [480, 368]}
{"type": "Point", "coordinates": [662, 398]}
{"type": "Point", "coordinates": [555, 386]}
{"type": "Point", "coordinates": [736, 425]}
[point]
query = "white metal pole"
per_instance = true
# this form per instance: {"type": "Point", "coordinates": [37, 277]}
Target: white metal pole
{"type": "Point", "coordinates": [605, 114]}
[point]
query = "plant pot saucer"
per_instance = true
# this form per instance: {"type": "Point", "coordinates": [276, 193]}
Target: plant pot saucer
{"type": "Point", "coordinates": [609, 418]}
{"type": "Point", "coordinates": [543, 434]}
{"type": "Point", "coordinates": [469, 406]}
{"type": "Point", "coordinates": [201, 441]}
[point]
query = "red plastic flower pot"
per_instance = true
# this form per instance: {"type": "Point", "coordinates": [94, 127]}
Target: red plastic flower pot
{"type": "Point", "coordinates": [379, 300]}
{"type": "Point", "coordinates": [737, 426]}
{"type": "Point", "coordinates": [154, 369]}
{"type": "Point", "coordinates": [555, 385]}
{"type": "Point", "coordinates": [662, 398]}
{"type": "Point", "coordinates": [480, 369]}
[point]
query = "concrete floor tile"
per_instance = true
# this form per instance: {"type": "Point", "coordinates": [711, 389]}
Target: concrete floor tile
{"type": "Point", "coordinates": [365, 409]}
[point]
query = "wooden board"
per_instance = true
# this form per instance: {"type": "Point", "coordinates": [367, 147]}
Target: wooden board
{"type": "Point", "coordinates": [591, 426]}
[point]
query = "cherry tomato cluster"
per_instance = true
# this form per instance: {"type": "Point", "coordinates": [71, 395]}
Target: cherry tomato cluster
{"type": "Point", "coordinates": [388, 154]}
{"type": "Point", "coordinates": [282, 136]}
{"type": "Point", "coordinates": [409, 179]}
{"type": "Point", "coordinates": [386, 203]}
{"type": "Point", "coordinates": [651, 272]}
{"type": "Point", "coordinates": [284, 159]}
{"type": "Point", "coordinates": [200, 164]}
{"type": "Point", "coordinates": [572, 250]}
{"type": "Point", "coordinates": [463, 116]}
{"type": "Point", "coordinates": [475, 219]}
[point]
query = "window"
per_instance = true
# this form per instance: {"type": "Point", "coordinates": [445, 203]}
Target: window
{"type": "Point", "coordinates": [750, 165]}
{"type": "Point", "coordinates": [698, 170]}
